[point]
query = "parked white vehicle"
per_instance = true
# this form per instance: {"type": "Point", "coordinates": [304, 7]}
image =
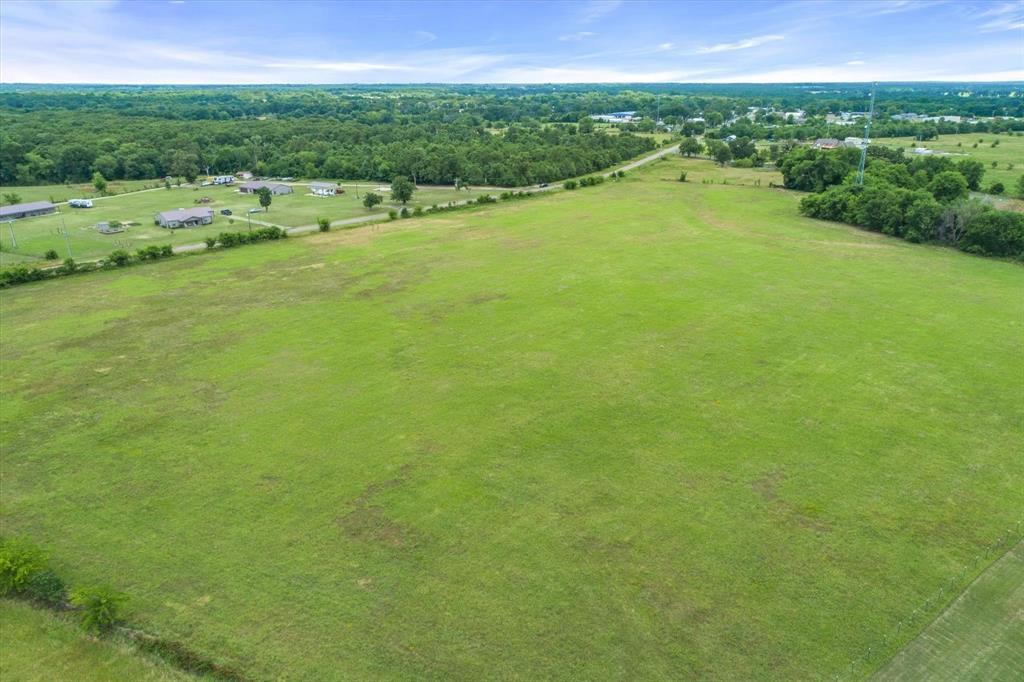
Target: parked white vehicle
{"type": "Point", "coordinates": [80, 203]}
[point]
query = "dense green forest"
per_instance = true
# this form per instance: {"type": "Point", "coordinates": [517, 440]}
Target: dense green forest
{"type": "Point", "coordinates": [498, 135]}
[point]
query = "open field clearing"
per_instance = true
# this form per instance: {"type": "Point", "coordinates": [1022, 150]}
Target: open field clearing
{"type": "Point", "coordinates": [1010, 150]}
{"type": "Point", "coordinates": [643, 430]}
{"type": "Point", "coordinates": [979, 637]}
{"type": "Point", "coordinates": [35, 236]}
{"type": "Point", "coordinates": [39, 646]}
{"type": "Point", "coordinates": [77, 190]}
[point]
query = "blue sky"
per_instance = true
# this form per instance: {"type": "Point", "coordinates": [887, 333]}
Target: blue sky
{"type": "Point", "coordinates": [195, 41]}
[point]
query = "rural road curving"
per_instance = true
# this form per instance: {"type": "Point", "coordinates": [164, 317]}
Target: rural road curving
{"type": "Point", "coordinates": [198, 246]}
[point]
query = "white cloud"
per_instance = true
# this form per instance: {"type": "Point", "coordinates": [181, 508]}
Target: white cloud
{"type": "Point", "coordinates": [342, 67]}
{"type": "Point", "coordinates": [595, 74]}
{"type": "Point", "coordinates": [576, 37]}
{"type": "Point", "coordinates": [855, 62]}
{"type": "Point", "coordinates": [425, 36]}
{"type": "Point", "coordinates": [595, 9]}
{"type": "Point", "coordinates": [1007, 16]}
{"type": "Point", "coordinates": [745, 44]}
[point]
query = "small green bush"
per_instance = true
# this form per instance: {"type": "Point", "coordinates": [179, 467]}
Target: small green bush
{"type": "Point", "coordinates": [51, 254]}
{"type": "Point", "coordinates": [996, 188]}
{"type": "Point", "coordinates": [120, 258]}
{"type": "Point", "coordinates": [46, 587]}
{"type": "Point", "coordinates": [682, 177]}
{"type": "Point", "coordinates": [405, 212]}
{"type": "Point", "coordinates": [392, 214]}
{"type": "Point", "coordinates": [324, 224]}
{"type": "Point", "coordinates": [19, 561]}
{"type": "Point", "coordinates": [69, 266]}
{"type": "Point", "coordinates": [99, 608]}
{"type": "Point", "coordinates": [210, 242]}
{"type": "Point", "coordinates": [570, 184]}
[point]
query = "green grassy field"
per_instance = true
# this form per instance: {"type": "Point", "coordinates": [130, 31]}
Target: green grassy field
{"type": "Point", "coordinates": [83, 190]}
{"type": "Point", "coordinates": [38, 646]}
{"type": "Point", "coordinates": [644, 430]}
{"type": "Point", "coordinates": [1009, 151]}
{"type": "Point", "coordinates": [35, 236]}
{"type": "Point", "coordinates": [980, 637]}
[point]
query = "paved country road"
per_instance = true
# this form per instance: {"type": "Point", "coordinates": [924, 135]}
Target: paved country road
{"type": "Point", "coordinates": [372, 217]}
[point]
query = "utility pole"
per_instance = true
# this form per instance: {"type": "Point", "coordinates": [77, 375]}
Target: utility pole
{"type": "Point", "coordinates": [10, 228]}
{"type": "Point", "coordinates": [867, 137]}
{"type": "Point", "coordinates": [64, 231]}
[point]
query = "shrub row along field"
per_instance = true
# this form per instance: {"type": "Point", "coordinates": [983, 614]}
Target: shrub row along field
{"type": "Point", "coordinates": [649, 429]}
{"type": "Point", "coordinates": [36, 236]}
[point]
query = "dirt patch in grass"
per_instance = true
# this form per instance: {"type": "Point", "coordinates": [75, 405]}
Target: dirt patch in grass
{"type": "Point", "coordinates": [371, 524]}
{"type": "Point", "coordinates": [800, 515]}
{"type": "Point", "coordinates": [368, 522]}
{"type": "Point", "coordinates": [487, 298]}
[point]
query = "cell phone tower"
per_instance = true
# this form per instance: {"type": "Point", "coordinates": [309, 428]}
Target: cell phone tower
{"type": "Point", "coordinates": [867, 137]}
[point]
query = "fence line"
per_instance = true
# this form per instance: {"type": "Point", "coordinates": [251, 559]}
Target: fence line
{"type": "Point", "coordinates": [943, 596]}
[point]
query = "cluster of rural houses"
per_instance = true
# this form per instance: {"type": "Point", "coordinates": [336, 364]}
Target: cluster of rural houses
{"type": "Point", "coordinates": [179, 217]}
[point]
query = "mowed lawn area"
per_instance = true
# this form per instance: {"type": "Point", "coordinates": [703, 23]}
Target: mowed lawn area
{"type": "Point", "coordinates": [643, 430]}
{"type": "Point", "coordinates": [38, 646]}
{"type": "Point", "coordinates": [34, 236]}
{"type": "Point", "coordinates": [1009, 152]}
{"type": "Point", "coordinates": [979, 637]}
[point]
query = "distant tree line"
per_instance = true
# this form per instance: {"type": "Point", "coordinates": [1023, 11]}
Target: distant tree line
{"type": "Point", "coordinates": [481, 134]}
{"type": "Point", "coordinates": [75, 146]}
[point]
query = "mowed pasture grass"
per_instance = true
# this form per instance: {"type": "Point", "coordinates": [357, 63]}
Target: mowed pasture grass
{"type": "Point", "coordinates": [76, 190]}
{"type": "Point", "coordinates": [979, 637]}
{"type": "Point", "coordinates": [1010, 150]}
{"type": "Point", "coordinates": [644, 430]}
{"type": "Point", "coordinates": [36, 235]}
{"type": "Point", "coordinates": [40, 646]}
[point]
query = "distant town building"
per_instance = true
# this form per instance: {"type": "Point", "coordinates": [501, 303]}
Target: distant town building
{"type": "Point", "coordinates": [80, 203]}
{"type": "Point", "coordinates": [853, 142]}
{"type": "Point", "coordinates": [185, 217]}
{"type": "Point", "coordinates": [617, 117]}
{"type": "Point", "coordinates": [826, 143]}
{"type": "Point", "coordinates": [32, 208]}
{"type": "Point", "coordinates": [224, 180]}
{"type": "Point", "coordinates": [323, 189]}
{"type": "Point", "coordinates": [255, 185]}
{"type": "Point", "coordinates": [244, 175]}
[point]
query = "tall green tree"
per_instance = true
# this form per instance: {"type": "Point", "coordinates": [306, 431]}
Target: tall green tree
{"type": "Point", "coordinates": [720, 152]}
{"type": "Point", "coordinates": [265, 197]}
{"type": "Point", "coordinates": [99, 182]}
{"type": "Point", "coordinates": [690, 146]}
{"type": "Point", "coordinates": [402, 189]}
{"type": "Point", "coordinates": [371, 199]}
{"type": "Point", "coordinates": [948, 186]}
